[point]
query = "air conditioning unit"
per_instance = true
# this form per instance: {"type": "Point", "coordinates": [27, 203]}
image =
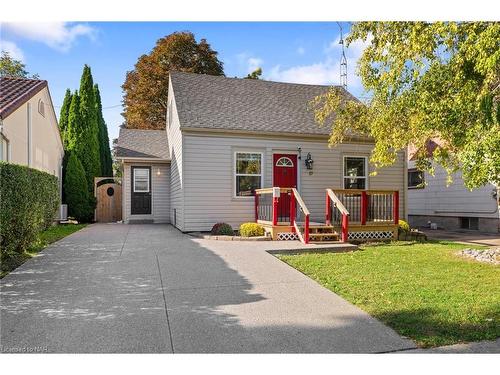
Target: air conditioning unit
{"type": "Point", "coordinates": [63, 212]}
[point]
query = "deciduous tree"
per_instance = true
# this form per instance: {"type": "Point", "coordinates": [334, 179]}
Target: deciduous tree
{"type": "Point", "coordinates": [146, 87]}
{"type": "Point", "coordinates": [10, 67]}
{"type": "Point", "coordinates": [426, 80]}
{"type": "Point", "coordinates": [255, 74]}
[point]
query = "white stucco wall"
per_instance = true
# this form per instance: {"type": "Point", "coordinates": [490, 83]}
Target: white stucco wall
{"type": "Point", "coordinates": [45, 151]}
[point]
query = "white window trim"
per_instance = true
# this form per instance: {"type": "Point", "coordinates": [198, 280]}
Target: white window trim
{"type": "Point", "coordinates": [240, 174]}
{"type": "Point", "coordinates": [149, 178]}
{"type": "Point", "coordinates": [415, 170]}
{"type": "Point", "coordinates": [41, 107]}
{"type": "Point", "coordinates": [366, 169]}
{"type": "Point", "coordinates": [285, 166]}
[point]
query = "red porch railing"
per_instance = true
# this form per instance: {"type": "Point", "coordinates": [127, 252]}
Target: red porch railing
{"type": "Point", "coordinates": [336, 214]}
{"type": "Point", "coordinates": [283, 206]}
{"type": "Point", "coordinates": [367, 207]}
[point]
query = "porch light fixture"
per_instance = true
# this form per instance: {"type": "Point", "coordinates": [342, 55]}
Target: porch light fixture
{"type": "Point", "coordinates": [309, 161]}
{"type": "Point", "coordinates": [158, 172]}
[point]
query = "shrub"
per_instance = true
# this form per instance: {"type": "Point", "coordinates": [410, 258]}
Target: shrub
{"type": "Point", "coordinates": [29, 199]}
{"type": "Point", "coordinates": [251, 230]}
{"type": "Point", "coordinates": [404, 226]}
{"type": "Point", "coordinates": [222, 229]}
{"type": "Point", "coordinates": [76, 194]}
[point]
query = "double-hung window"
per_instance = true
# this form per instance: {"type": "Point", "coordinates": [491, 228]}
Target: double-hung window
{"type": "Point", "coordinates": [355, 172]}
{"type": "Point", "coordinates": [415, 179]}
{"type": "Point", "coordinates": [247, 173]}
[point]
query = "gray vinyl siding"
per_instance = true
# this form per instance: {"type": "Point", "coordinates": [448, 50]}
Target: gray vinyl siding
{"type": "Point", "coordinates": [175, 141]}
{"type": "Point", "coordinates": [454, 200]}
{"type": "Point", "coordinates": [160, 192]}
{"type": "Point", "coordinates": [209, 176]}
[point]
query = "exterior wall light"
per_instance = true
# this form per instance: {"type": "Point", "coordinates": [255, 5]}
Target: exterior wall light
{"type": "Point", "coordinates": [309, 161]}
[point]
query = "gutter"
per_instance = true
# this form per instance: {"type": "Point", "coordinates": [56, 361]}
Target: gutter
{"type": "Point", "coordinates": [233, 132]}
{"type": "Point", "coordinates": [139, 159]}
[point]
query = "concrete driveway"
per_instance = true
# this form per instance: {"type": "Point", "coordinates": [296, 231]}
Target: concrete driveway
{"type": "Point", "coordinates": [464, 236]}
{"type": "Point", "coordinates": [150, 288]}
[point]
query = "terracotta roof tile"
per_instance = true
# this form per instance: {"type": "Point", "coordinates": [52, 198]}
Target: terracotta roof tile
{"type": "Point", "coordinates": [15, 91]}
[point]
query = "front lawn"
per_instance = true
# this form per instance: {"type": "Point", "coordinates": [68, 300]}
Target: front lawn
{"type": "Point", "coordinates": [45, 238]}
{"type": "Point", "coordinates": [422, 290]}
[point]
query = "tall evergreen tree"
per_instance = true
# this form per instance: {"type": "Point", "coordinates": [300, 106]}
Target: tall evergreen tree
{"type": "Point", "coordinates": [104, 150]}
{"type": "Point", "coordinates": [89, 155]}
{"type": "Point", "coordinates": [63, 117]}
{"type": "Point", "coordinates": [75, 187]}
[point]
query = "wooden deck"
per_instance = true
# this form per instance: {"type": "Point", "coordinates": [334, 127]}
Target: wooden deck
{"type": "Point", "coordinates": [350, 215]}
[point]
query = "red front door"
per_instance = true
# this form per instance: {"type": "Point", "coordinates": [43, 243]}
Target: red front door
{"type": "Point", "coordinates": [284, 176]}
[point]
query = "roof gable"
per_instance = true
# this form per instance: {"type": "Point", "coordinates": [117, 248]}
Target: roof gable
{"type": "Point", "coordinates": [15, 91]}
{"type": "Point", "coordinates": [215, 102]}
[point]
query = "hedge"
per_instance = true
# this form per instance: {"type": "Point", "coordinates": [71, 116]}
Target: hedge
{"type": "Point", "coordinates": [28, 204]}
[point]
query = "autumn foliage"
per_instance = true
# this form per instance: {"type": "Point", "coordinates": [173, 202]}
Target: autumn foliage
{"type": "Point", "coordinates": [146, 87]}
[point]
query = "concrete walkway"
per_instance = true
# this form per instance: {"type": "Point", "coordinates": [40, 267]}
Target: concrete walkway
{"type": "Point", "coordinates": [149, 288]}
{"type": "Point", "coordinates": [465, 237]}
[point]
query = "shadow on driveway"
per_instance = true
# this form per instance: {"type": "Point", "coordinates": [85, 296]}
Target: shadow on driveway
{"type": "Point", "coordinates": [149, 288]}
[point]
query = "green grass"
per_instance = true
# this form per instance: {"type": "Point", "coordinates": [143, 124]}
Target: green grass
{"type": "Point", "coordinates": [53, 234]}
{"type": "Point", "coordinates": [422, 290]}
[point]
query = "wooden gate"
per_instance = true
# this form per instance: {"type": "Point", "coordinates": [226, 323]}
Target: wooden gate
{"type": "Point", "coordinates": [108, 193]}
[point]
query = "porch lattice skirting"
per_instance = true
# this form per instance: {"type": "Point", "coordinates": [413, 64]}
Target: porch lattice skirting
{"type": "Point", "coordinates": [371, 235]}
{"type": "Point", "coordinates": [287, 236]}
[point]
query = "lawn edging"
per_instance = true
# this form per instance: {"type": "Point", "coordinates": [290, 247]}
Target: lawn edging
{"type": "Point", "coordinates": [53, 234]}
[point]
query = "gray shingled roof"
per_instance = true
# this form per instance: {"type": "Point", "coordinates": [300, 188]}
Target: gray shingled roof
{"type": "Point", "coordinates": [134, 143]}
{"type": "Point", "coordinates": [215, 102]}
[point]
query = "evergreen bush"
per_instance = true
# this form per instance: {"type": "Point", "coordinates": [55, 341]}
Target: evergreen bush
{"type": "Point", "coordinates": [29, 199]}
{"type": "Point", "coordinates": [76, 194]}
{"type": "Point", "coordinates": [222, 229]}
{"type": "Point", "coordinates": [251, 230]}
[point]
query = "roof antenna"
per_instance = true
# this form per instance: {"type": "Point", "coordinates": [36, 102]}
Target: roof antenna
{"type": "Point", "coordinates": [343, 61]}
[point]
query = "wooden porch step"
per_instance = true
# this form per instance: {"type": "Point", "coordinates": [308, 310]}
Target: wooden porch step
{"type": "Point", "coordinates": [331, 234]}
{"type": "Point", "coordinates": [324, 242]}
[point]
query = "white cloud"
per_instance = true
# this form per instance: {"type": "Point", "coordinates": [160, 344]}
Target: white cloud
{"type": "Point", "coordinates": [321, 73]}
{"type": "Point", "coordinates": [301, 50]}
{"type": "Point", "coordinates": [325, 71]}
{"type": "Point", "coordinates": [249, 63]}
{"type": "Point", "coordinates": [13, 50]}
{"type": "Point", "coordinates": [58, 35]}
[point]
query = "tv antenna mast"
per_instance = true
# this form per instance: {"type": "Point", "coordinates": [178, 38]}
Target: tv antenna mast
{"type": "Point", "coordinates": [343, 60]}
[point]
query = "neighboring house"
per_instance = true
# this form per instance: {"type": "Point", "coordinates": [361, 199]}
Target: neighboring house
{"type": "Point", "coordinates": [29, 133]}
{"type": "Point", "coordinates": [450, 207]}
{"type": "Point", "coordinates": [226, 138]}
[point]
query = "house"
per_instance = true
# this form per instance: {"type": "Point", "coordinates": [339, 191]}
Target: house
{"type": "Point", "coordinates": [451, 207]}
{"type": "Point", "coordinates": [228, 140]}
{"type": "Point", "coordinates": [29, 133]}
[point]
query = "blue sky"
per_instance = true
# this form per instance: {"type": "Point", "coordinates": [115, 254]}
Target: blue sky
{"type": "Point", "coordinates": [300, 52]}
